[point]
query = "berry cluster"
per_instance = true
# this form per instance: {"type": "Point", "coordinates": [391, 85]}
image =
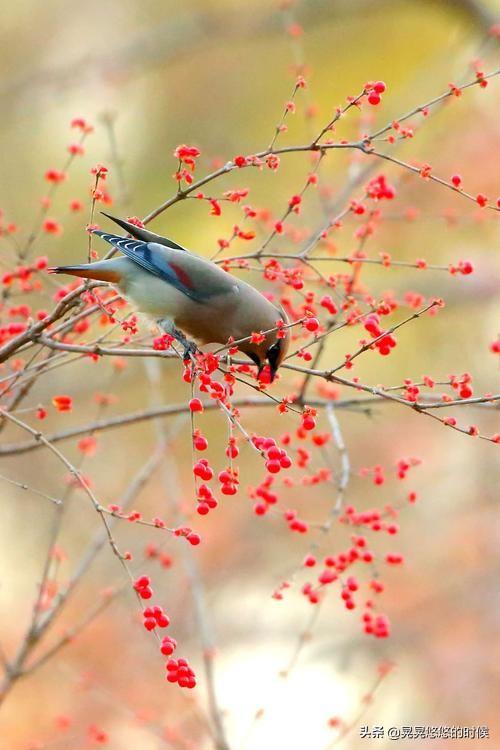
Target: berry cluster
{"type": "Point", "coordinates": [155, 617]}
{"type": "Point", "coordinates": [192, 537]}
{"type": "Point", "coordinates": [374, 89]}
{"type": "Point", "coordinates": [168, 645]}
{"type": "Point", "coordinates": [229, 480]}
{"type": "Point", "coordinates": [178, 670]}
{"type": "Point", "coordinates": [276, 458]}
{"type": "Point", "coordinates": [379, 189]}
{"type": "Point", "coordinates": [143, 587]}
{"type": "Point", "coordinates": [203, 470]}
{"type": "Point", "coordinates": [385, 343]}
{"type": "Point", "coordinates": [206, 500]}
{"type": "Point", "coordinates": [200, 442]}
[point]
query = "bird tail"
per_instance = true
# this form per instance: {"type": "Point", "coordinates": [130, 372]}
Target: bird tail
{"type": "Point", "coordinates": [96, 271]}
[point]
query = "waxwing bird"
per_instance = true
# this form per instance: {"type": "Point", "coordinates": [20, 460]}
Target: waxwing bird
{"type": "Point", "coordinates": [188, 295]}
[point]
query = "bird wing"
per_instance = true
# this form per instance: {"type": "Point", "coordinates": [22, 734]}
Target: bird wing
{"type": "Point", "coordinates": [154, 258]}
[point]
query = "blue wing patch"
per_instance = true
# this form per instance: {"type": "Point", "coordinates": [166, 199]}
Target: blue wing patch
{"type": "Point", "coordinates": [151, 260]}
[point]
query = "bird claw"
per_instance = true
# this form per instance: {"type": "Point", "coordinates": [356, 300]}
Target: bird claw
{"type": "Point", "coordinates": [190, 349]}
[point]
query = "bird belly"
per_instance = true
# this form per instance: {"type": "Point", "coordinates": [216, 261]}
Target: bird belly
{"type": "Point", "coordinates": [211, 321]}
{"type": "Point", "coordinates": [203, 322]}
{"type": "Point", "coordinates": [236, 313]}
{"type": "Point", "coordinates": [153, 296]}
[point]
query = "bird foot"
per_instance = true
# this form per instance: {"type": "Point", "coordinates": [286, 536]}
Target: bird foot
{"type": "Point", "coordinates": [190, 350]}
{"type": "Point", "coordinates": [190, 347]}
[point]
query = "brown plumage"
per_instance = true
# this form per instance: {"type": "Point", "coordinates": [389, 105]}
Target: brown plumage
{"type": "Point", "coordinates": [188, 295]}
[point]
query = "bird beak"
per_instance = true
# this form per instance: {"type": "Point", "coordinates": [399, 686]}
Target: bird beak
{"type": "Point", "coordinates": [274, 359]}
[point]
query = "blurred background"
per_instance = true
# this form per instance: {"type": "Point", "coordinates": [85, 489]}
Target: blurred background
{"type": "Point", "coordinates": [149, 76]}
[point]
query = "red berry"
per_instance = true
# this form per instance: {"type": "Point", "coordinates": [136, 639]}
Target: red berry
{"type": "Point", "coordinates": [200, 443]}
{"type": "Point", "coordinates": [311, 324]}
{"type": "Point", "coordinates": [195, 405]}
{"type": "Point", "coordinates": [308, 422]}
{"type": "Point", "coordinates": [193, 538]}
{"type": "Point", "coordinates": [168, 646]}
{"type": "Point", "coordinates": [274, 453]}
{"type": "Point", "coordinates": [285, 461]}
{"type": "Point", "coordinates": [327, 576]}
{"type": "Point", "coordinates": [232, 451]}
{"type": "Point", "coordinates": [142, 582]}
{"type": "Point", "coordinates": [328, 303]}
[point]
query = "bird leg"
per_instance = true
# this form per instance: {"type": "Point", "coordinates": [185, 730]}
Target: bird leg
{"type": "Point", "coordinates": [190, 347]}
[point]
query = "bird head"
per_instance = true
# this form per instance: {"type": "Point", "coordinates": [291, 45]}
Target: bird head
{"type": "Point", "coordinates": [276, 354]}
{"type": "Point", "coordinates": [271, 351]}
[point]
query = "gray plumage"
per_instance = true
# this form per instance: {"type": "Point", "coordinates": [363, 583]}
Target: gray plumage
{"type": "Point", "coordinates": [187, 294]}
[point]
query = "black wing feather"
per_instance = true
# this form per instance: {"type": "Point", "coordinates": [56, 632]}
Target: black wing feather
{"type": "Point", "coordinates": [144, 234]}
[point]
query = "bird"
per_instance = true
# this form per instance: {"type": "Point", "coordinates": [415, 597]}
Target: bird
{"type": "Point", "coordinates": [191, 298]}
